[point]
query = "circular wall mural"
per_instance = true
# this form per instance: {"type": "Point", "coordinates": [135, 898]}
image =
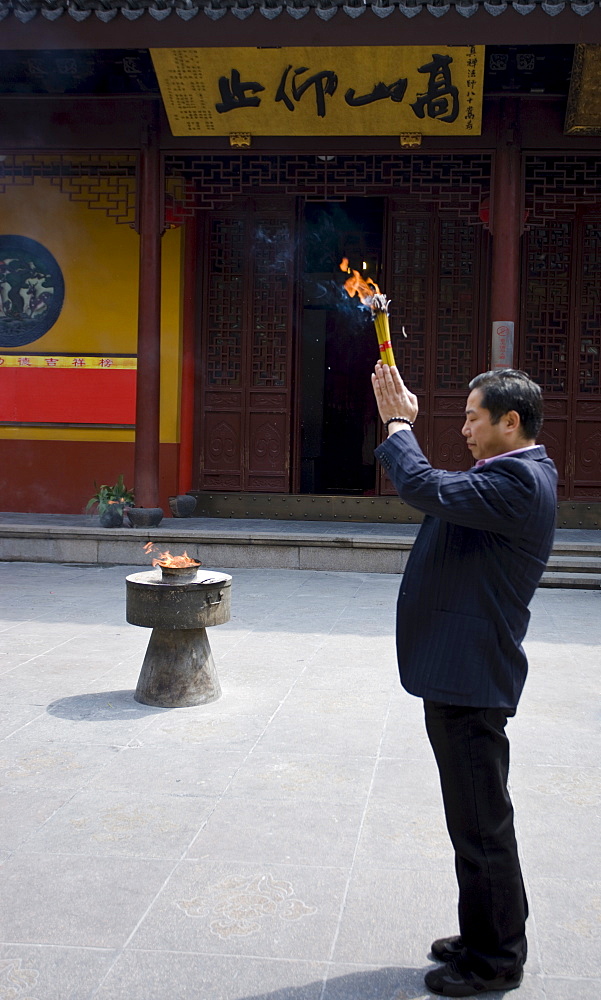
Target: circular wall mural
{"type": "Point", "coordinates": [32, 290]}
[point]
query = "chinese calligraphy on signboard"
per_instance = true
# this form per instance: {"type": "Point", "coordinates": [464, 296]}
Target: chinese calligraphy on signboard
{"type": "Point", "coordinates": [91, 362]}
{"type": "Point", "coordinates": [347, 90]}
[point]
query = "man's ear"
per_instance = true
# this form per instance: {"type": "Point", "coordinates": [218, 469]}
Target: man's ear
{"type": "Point", "coordinates": [512, 420]}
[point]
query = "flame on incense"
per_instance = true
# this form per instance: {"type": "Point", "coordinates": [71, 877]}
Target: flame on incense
{"type": "Point", "coordinates": [371, 296]}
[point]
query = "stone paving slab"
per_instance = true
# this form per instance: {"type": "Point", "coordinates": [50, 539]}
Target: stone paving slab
{"type": "Point", "coordinates": [51, 973]}
{"type": "Point", "coordinates": [286, 842]}
{"type": "Point", "coordinates": [156, 976]}
{"type": "Point", "coordinates": [77, 901]}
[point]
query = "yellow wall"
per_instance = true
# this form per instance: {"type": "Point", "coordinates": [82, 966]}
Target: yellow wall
{"type": "Point", "coordinates": [99, 261]}
{"type": "Point", "coordinates": [171, 333]}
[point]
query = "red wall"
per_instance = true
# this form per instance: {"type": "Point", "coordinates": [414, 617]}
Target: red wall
{"type": "Point", "coordinates": [64, 396]}
{"type": "Point", "coordinates": [57, 477]}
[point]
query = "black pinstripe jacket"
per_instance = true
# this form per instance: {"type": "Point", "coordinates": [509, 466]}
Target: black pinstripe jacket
{"type": "Point", "coordinates": [462, 611]}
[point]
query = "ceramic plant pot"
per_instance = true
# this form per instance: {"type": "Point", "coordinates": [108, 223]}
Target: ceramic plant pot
{"type": "Point", "coordinates": [183, 505]}
{"type": "Point", "coordinates": [111, 516]}
{"type": "Point", "coordinates": [145, 517]}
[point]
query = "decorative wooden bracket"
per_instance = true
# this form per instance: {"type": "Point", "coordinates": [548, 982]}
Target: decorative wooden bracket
{"type": "Point", "coordinates": [410, 140]}
{"type": "Point", "coordinates": [240, 139]}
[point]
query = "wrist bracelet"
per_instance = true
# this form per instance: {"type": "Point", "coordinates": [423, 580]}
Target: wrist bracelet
{"type": "Point", "coordinates": [398, 420]}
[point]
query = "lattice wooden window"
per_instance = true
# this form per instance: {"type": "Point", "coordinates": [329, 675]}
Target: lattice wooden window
{"type": "Point", "coordinates": [456, 316]}
{"type": "Point", "coordinates": [410, 264]}
{"type": "Point", "coordinates": [272, 261]}
{"type": "Point", "coordinates": [225, 301]}
{"type": "Point", "coordinates": [546, 342]}
{"type": "Point", "coordinates": [589, 372]}
{"type": "Point", "coordinates": [455, 182]}
{"type": "Point", "coordinates": [556, 185]}
{"type": "Point", "coordinates": [103, 182]}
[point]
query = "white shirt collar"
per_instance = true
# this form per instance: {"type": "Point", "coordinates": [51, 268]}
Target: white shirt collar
{"type": "Point", "coordinates": [506, 454]}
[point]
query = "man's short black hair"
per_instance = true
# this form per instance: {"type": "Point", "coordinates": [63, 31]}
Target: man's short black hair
{"type": "Point", "coordinates": [510, 389]}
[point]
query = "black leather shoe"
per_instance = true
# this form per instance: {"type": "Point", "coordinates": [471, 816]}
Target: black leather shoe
{"type": "Point", "coordinates": [451, 980]}
{"type": "Point", "coordinates": [446, 949]}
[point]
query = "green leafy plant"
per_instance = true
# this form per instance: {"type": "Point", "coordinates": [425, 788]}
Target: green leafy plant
{"type": "Point", "coordinates": [105, 495]}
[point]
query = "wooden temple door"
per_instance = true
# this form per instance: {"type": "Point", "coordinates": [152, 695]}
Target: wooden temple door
{"type": "Point", "coordinates": [246, 347]}
{"type": "Point", "coordinates": [436, 280]}
{"type": "Point", "coordinates": [561, 344]}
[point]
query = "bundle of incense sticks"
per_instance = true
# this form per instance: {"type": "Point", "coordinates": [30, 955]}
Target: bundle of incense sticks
{"type": "Point", "coordinates": [379, 309]}
{"type": "Point", "coordinates": [371, 296]}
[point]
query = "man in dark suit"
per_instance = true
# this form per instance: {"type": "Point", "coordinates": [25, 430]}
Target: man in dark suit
{"type": "Point", "coordinates": [462, 614]}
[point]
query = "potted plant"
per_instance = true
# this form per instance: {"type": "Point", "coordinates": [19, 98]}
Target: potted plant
{"type": "Point", "coordinates": [111, 502]}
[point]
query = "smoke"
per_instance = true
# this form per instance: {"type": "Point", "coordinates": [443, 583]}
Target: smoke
{"type": "Point", "coordinates": [331, 231]}
{"type": "Point", "coordinates": [275, 247]}
{"type": "Point", "coordinates": [331, 294]}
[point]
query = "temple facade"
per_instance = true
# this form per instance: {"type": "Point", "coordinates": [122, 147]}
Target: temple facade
{"type": "Point", "coordinates": [172, 306]}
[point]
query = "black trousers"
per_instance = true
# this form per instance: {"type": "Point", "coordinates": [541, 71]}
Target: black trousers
{"type": "Point", "coordinates": [472, 753]}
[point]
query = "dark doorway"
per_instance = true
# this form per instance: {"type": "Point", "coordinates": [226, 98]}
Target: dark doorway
{"type": "Point", "coordinates": [339, 348]}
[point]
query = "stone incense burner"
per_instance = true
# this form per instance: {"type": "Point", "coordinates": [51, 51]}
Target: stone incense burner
{"type": "Point", "coordinates": [178, 603]}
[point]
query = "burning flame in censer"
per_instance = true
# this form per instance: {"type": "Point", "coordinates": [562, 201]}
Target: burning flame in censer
{"type": "Point", "coordinates": [166, 559]}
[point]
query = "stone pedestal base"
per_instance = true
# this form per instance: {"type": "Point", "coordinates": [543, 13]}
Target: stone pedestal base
{"type": "Point", "coordinates": [178, 670]}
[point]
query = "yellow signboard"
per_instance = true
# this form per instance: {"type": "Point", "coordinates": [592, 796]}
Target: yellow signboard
{"type": "Point", "coordinates": [343, 90]}
{"type": "Point", "coordinates": [86, 362]}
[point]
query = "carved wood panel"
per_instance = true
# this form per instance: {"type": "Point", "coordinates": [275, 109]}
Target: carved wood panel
{"type": "Point", "coordinates": [246, 347]}
{"type": "Point", "coordinates": [456, 182]}
{"type": "Point", "coordinates": [433, 281]}
{"type": "Point", "coordinates": [411, 240]}
{"type": "Point", "coordinates": [589, 299]}
{"type": "Point", "coordinates": [554, 436]}
{"type": "Point", "coordinates": [588, 454]}
{"type": "Point", "coordinates": [102, 182]}
{"type": "Point", "coordinates": [561, 341]}
{"type": "Point", "coordinates": [449, 450]}
{"type": "Point", "coordinates": [457, 301]}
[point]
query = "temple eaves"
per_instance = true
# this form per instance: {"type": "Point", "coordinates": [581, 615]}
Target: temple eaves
{"type": "Point", "coordinates": [105, 11]}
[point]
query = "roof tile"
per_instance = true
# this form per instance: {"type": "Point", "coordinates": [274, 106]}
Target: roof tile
{"type": "Point", "coordinates": [107, 10]}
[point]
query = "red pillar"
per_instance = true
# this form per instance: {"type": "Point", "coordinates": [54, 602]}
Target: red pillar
{"type": "Point", "coordinates": [506, 223]}
{"type": "Point", "coordinates": [146, 455]}
{"type": "Point", "coordinates": [186, 438]}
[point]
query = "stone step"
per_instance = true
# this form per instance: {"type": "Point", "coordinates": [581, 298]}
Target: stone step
{"type": "Point", "coordinates": [571, 581]}
{"type": "Point", "coordinates": [575, 562]}
{"type": "Point", "coordinates": [234, 544]}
